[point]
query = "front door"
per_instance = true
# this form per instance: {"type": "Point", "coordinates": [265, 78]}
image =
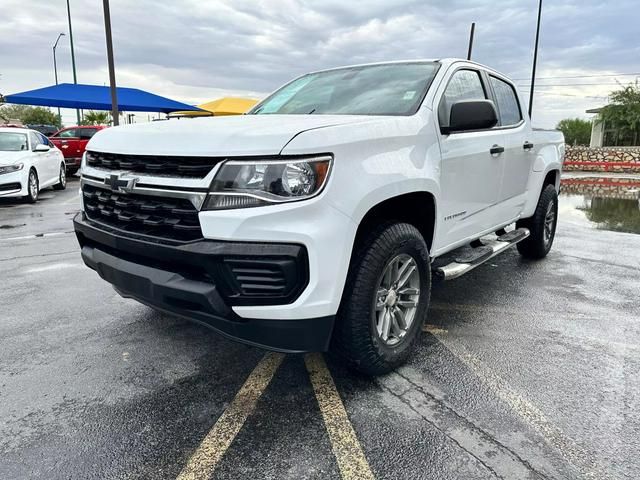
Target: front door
{"type": "Point", "coordinates": [471, 174]}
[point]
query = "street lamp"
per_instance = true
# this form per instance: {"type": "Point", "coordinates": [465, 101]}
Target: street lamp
{"type": "Point", "coordinates": [55, 72]}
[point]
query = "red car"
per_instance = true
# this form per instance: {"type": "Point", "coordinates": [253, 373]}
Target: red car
{"type": "Point", "coordinates": [72, 141]}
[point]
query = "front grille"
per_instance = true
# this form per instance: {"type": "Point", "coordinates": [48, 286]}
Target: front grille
{"type": "Point", "coordinates": [161, 217]}
{"type": "Point", "coordinates": [191, 167]}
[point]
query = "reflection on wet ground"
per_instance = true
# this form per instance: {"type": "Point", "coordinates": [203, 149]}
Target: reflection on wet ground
{"type": "Point", "coordinates": [609, 203]}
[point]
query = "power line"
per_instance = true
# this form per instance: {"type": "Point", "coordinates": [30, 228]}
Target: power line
{"type": "Point", "coordinates": [564, 94]}
{"type": "Point", "coordinates": [572, 85]}
{"type": "Point", "coordinates": [584, 76]}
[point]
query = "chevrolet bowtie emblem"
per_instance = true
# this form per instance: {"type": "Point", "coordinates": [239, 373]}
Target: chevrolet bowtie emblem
{"type": "Point", "coordinates": [119, 184]}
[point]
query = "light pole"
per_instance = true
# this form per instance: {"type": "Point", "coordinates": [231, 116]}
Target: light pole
{"type": "Point", "coordinates": [73, 55]}
{"type": "Point", "coordinates": [55, 72]}
{"type": "Point", "coordinates": [112, 72]}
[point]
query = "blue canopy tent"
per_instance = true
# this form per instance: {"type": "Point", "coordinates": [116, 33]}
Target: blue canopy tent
{"type": "Point", "coordinates": [95, 97]}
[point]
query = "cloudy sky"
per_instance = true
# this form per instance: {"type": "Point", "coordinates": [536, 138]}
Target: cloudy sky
{"type": "Point", "coordinates": [198, 50]}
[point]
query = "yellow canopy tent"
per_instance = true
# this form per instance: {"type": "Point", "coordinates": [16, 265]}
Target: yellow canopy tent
{"type": "Point", "coordinates": [221, 106]}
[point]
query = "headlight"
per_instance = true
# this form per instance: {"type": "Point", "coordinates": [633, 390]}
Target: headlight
{"type": "Point", "coordinates": [241, 183]}
{"type": "Point", "coordinates": [11, 168]}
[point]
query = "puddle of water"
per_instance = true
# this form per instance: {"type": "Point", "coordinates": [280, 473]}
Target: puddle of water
{"type": "Point", "coordinates": [6, 227]}
{"type": "Point", "coordinates": [602, 203]}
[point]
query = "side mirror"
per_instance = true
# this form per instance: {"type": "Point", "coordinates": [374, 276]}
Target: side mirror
{"type": "Point", "coordinates": [467, 115]}
{"type": "Point", "coordinates": [42, 148]}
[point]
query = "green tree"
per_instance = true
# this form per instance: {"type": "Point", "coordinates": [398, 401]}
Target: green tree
{"type": "Point", "coordinates": [623, 113]}
{"type": "Point", "coordinates": [96, 118]}
{"type": "Point", "coordinates": [28, 115]}
{"type": "Point", "coordinates": [576, 131]}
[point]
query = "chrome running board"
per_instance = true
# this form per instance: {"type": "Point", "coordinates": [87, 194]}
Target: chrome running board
{"type": "Point", "coordinates": [470, 258]}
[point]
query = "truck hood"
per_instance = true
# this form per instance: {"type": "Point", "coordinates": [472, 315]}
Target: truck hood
{"type": "Point", "coordinates": [243, 135]}
{"type": "Point", "coordinates": [10, 158]}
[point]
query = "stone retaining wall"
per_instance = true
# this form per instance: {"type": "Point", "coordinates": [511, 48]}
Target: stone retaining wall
{"type": "Point", "coordinates": [604, 159]}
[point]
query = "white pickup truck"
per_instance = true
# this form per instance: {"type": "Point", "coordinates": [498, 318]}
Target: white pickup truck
{"type": "Point", "coordinates": [317, 220]}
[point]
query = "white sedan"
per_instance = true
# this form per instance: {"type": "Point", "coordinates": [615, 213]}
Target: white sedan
{"type": "Point", "coordinates": [29, 162]}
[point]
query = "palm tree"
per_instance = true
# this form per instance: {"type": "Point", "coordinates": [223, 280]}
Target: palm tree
{"type": "Point", "coordinates": [96, 118]}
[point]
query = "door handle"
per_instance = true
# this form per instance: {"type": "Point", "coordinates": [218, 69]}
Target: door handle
{"type": "Point", "coordinates": [527, 146]}
{"type": "Point", "coordinates": [496, 149]}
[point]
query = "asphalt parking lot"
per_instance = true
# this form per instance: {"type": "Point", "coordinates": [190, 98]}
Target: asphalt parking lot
{"type": "Point", "coordinates": [524, 370]}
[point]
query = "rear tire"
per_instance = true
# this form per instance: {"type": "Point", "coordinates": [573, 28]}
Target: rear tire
{"type": "Point", "coordinates": [33, 187]}
{"type": "Point", "coordinates": [542, 226]}
{"type": "Point", "coordinates": [62, 179]}
{"type": "Point", "coordinates": [385, 300]}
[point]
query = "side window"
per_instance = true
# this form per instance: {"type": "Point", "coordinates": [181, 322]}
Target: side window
{"type": "Point", "coordinates": [43, 140]}
{"type": "Point", "coordinates": [35, 140]}
{"type": "Point", "coordinates": [464, 85]}
{"type": "Point", "coordinates": [507, 100]}
{"type": "Point", "coordinates": [67, 133]}
{"type": "Point", "coordinates": [86, 133]}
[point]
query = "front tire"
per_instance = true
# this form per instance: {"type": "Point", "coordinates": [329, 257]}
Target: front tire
{"type": "Point", "coordinates": [385, 300]}
{"type": "Point", "coordinates": [542, 226]}
{"type": "Point", "coordinates": [62, 179]}
{"type": "Point", "coordinates": [33, 187]}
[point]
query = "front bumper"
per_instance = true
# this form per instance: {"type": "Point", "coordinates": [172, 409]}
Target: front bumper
{"type": "Point", "coordinates": [14, 184]}
{"type": "Point", "coordinates": [194, 280]}
{"type": "Point", "coordinates": [72, 161]}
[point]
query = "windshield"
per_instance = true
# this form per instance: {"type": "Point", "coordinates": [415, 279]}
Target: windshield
{"type": "Point", "coordinates": [387, 89]}
{"type": "Point", "coordinates": [13, 142]}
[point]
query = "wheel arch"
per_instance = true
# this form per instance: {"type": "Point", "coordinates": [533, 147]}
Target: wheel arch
{"type": "Point", "coordinates": [402, 208]}
{"type": "Point", "coordinates": [550, 176]}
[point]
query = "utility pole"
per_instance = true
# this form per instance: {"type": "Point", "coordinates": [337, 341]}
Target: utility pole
{"type": "Point", "coordinates": [535, 59]}
{"type": "Point", "coordinates": [112, 72]}
{"type": "Point", "coordinates": [471, 35]}
{"type": "Point", "coordinates": [73, 55]}
{"type": "Point", "coordinates": [55, 73]}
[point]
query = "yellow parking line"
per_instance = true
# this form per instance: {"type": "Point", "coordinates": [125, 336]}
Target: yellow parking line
{"type": "Point", "coordinates": [352, 463]}
{"type": "Point", "coordinates": [204, 460]}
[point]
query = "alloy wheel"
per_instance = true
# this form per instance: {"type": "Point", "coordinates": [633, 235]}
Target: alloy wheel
{"type": "Point", "coordinates": [396, 299]}
{"type": "Point", "coordinates": [549, 223]}
{"type": "Point", "coordinates": [33, 185]}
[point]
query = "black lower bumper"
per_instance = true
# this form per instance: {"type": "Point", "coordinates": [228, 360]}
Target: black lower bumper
{"type": "Point", "coordinates": [182, 280]}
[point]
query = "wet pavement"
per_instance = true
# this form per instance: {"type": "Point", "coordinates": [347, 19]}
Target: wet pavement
{"type": "Point", "coordinates": [524, 370]}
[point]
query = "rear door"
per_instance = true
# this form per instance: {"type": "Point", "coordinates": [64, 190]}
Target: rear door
{"type": "Point", "coordinates": [84, 135]}
{"type": "Point", "coordinates": [470, 174]}
{"type": "Point", "coordinates": [519, 155]}
{"type": "Point", "coordinates": [68, 142]}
